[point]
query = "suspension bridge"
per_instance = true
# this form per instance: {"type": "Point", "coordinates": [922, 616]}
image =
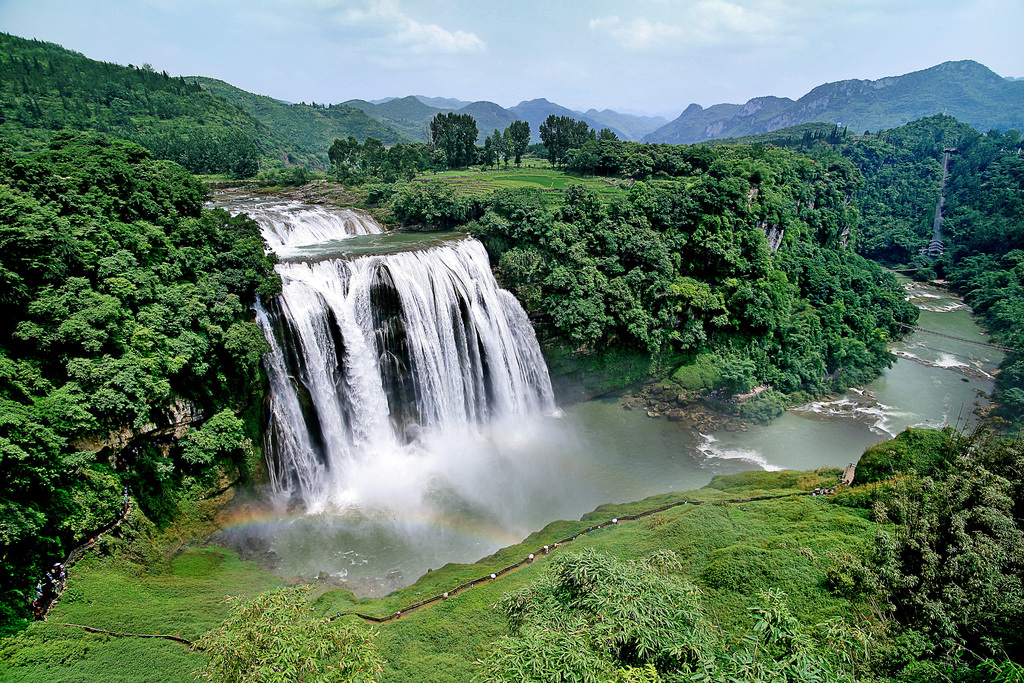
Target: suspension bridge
{"type": "Point", "coordinates": [998, 347]}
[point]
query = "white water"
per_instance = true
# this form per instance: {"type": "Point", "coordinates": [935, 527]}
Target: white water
{"type": "Point", "coordinates": [287, 226]}
{"type": "Point", "coordinates": [382, 365]}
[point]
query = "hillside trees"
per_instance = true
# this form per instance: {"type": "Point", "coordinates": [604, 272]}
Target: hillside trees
{"type": "Point", "coordinates": [686, 268]}
{"type": "Point", "coordinates": [121, 297]}
{"type": "Point", "coordinates": [46, 88]}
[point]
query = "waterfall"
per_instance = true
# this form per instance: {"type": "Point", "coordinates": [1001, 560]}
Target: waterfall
{"type": "Point", "coordinates": [374, 359]}
{"type": "Point", "coordinates": [289, 225]}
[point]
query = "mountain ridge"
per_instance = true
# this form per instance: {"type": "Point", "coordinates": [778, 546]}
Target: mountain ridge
{"type": "Point", "coordinates": [967, 90]}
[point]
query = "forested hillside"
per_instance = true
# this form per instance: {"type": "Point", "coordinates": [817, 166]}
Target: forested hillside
{"type": "Point", "coordinates": [45, 88]}
{"type": "Point", "coordinates": [120, 299]}
{"type": "Point", "coordinates": [313, 126]}
{"type": "Point", "coordinates": [731, 264]}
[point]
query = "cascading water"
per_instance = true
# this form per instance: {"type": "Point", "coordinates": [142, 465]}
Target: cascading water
{"type": "Point", "coordinates": [409, 422]}
{"type": "Point", "coordinates": [370, 353]}
{"type": "Point", "coordinates": [373, 356]}
{"type": "Point", "coordinates": [288, 226]}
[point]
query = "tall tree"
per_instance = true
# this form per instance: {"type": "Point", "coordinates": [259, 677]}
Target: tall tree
{"type": "Point", "coordinates": [561, 133]}
{"type": "Point", "coordinates": [518, 138]}
{"type": "Point", "coordinates": [455, 135]}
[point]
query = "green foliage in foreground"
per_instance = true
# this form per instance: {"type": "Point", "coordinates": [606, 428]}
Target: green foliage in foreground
{"type": "Point", "coordinates": [592, 618]}
{"type": "Point", "coordinates": [275, 637]}
{"type": "Point", "coordinates": [129, 586]}
{"type": "Point", "coordinates": [698, 586]}
{"type": "Point", "coordinates": [120, 298]}
{"type": "Point", "coordinates": [946, 579]}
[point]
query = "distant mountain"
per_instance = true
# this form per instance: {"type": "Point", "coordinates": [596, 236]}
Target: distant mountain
{"type": "Point", "coordinates": [443, 102]}
{"type": "Point", "coordinates": [407, 115]}
{"type": "Point", "coordinates": [411, 115]}
{"type": "Point", "coordinates": [634, 127]}
{"type": "Point", "coordinates": [535, 111]}
{"type": "Point", "coordinates": [966, 90]}
{"type": "Point", "coordinates": [489, 117]}
{"type": "Point", "coordinates": [313, 127]}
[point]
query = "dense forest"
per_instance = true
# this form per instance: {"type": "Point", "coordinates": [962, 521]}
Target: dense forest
{"type": "Point", "coordinates": [45, 88]}
{"type": "Point", "coordinates": [121, 299]}
{"type": "Point", "coordinates": [125, 310]}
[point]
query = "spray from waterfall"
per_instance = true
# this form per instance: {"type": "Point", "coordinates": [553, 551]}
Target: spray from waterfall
{"type": "Point", "coordinates": [377, 361]}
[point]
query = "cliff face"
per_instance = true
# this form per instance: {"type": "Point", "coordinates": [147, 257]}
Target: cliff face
{"type": "Point", "coordinates": [168, 427]}
{"type": "Point", "coordinates": [965, 90]}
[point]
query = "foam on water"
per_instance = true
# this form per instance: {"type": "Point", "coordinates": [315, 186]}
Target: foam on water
{"type": "Point", "coordinates": [858, 405]}
{"type": "Point", "coordinates": [710, 448]}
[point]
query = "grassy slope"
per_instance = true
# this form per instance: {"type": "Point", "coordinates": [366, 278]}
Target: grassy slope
{"type": "Point", "coordinates": [732, 550]}
{"type": "Point", "coordinates": [107, 591]}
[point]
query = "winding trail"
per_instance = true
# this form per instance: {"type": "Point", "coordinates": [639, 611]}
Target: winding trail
{"type": "Point", "coordinates": [529, 559]}
{"type": "Point", "coordinates": [547, 549]}
{"type": "Point", "coordinates": [76, 553]}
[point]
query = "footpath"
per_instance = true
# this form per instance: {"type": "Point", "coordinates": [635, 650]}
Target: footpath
{"type": "Point", "coordinates": [467, 585]}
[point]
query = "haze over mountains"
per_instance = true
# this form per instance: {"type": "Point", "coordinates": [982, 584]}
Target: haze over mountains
{"type": "Point", "coordinates": [183, 118]}
{"type": "Point", "coordinates": [965, 90]}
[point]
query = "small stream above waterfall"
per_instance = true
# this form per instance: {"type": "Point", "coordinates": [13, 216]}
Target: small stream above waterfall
{"type": "Point", "coordinates": [410, 421]}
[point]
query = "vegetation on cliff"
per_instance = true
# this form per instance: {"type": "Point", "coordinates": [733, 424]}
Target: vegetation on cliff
{"type": "Point", "coordinates": [120, 297]}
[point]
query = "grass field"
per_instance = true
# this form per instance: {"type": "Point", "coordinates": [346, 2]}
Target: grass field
{"type": "Point", "coordinates": [551, 182]}
{"type": "Point", "coordinates": [185, 599]}
{"type": "Point", "coordinates": [732, 550]}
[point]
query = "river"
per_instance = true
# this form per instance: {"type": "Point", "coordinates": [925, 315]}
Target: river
{"type": "Point", "coordinates": [462, 493]}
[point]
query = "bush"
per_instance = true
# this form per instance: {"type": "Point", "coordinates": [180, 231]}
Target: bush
{"type": "Point", "coordinates": [434, 204]}
{"type": "Point", "coordinates": [703, 373]}
{"type": "Point", "coordinates": [923, 451]}
{"type": "Point", "coordinates": [764, 407]}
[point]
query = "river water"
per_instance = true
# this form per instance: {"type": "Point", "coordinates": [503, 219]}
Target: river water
{"type": "Point", "coordinates": [468, 492]}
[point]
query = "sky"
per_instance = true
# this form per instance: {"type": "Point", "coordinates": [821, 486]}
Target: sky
{"type": "Point", "coordinates": [639, 56]}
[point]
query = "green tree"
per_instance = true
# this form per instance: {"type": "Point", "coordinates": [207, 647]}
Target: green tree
{"type": "Point", "coordinates": [275, 638]}
{"type": "Point", "coordinates": [455, 135]}
{"type": "Point", "coordinates": [518, 133]}
{"type": "Point", "coordinates": [561, 134]}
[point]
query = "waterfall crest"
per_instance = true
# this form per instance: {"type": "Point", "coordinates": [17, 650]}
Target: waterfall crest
{"type": "Point", "coordinates": [378, 355]}
{"type": "Point", "coordinates": [289, 225]}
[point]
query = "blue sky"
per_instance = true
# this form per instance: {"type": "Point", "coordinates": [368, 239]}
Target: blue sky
{"type": "Point", "coordinates": [656, 56]}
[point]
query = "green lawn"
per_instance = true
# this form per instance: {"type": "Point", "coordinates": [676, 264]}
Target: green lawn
{"type": "Point", "coordinates": [186, 600]}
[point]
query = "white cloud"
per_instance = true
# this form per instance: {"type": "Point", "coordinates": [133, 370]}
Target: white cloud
{"type": "Point", "coordinates": [399, 29]}
{"type": "Point", "coordinates": [637, 34]}
{"type": "Point", "coordinates": [706, 22]}
{"type": "Point", "coordinates": [431, 37]}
